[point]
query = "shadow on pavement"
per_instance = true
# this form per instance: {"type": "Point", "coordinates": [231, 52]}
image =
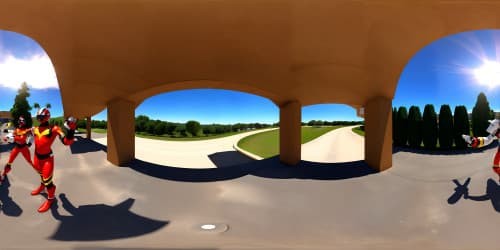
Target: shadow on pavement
{"type": "Point", "coordinates": [84, 145]}
{"type": "Point", "coordinates": [8, 206]}
{"type": "Point", "coordinates": [396, 149]}
{"type": "Point", "coordinates": [101, 222]}
{"type": "Point", "coordinates": [462, 192]}
{"type": "Point", "coordinates": [229, 158]}
{"type": "Point", "coordinates": [267, 168]}
{"type": "Point", "coordinates": [6, 147]}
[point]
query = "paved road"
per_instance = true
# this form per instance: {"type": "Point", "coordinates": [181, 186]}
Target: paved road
{"type": "Point", "coordinates": [266, 205]}
{"type": "Point", "coordinates": [339, 145]}
{"type": "Point", "coordinates": [190, 154]}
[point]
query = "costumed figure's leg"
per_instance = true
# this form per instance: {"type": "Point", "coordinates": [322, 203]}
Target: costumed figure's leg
{"type": "Point", "coordinates": [496, 164]}
{"type": "Point", "coordinates": [47, 173]}
{"type": "Point", "coordinates": [37, 165]}
{"type": "Point", "coordinates": [26, 153]}
{"type": "Point", "coordinates": [13, 154]}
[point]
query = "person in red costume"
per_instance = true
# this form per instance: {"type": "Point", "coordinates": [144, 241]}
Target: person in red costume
{"type": "Point", "coordinates": [22, 140]}
{"type": "Point", "coordinates": [479, 142]}
{"type": "Point", "coordinates": [44, 160]}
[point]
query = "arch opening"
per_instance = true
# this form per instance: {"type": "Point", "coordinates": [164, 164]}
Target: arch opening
{"type": "Point", "coordinates": [452, 71]}
{"type": "Point", "coordinates": [332, 133]}
{"type": "Point", "coordinates": [200, 128]}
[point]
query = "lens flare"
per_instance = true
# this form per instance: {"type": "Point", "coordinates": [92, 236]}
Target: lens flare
{"type": "Point", "coordinates": [488, 74]}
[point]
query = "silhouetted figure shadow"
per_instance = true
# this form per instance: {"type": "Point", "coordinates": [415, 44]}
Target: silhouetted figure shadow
{"type": "Point", "coordinates": [267, 168]}
{"type": "Point", "coordinates": [460, 191]}
{"type": "Point", "coordinates": [6, 147]}
{"type": "Point", "coordinates": [396, 149]}
{"type": "Point", "coordinates": [229, 158]}
{"type": "Point", "coordinates": [101, 222]}
{"type": "Point", "coordinates": [8, 206]}
{"type": "Point", "coordinates": [492, 193]}
{"type": "Point", "coordinates": [84, 145]}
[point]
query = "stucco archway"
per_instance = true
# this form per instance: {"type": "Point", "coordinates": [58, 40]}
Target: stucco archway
{"type": "Point", "coordinates": [301, 52]}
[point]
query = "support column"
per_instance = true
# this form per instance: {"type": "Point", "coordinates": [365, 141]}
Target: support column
{"type": "Point", "coordinates": [121, 131]}
{"type": "Point", "coordinates": [290, 132]}
{"type": "Point", "coordinates": [89, 129]}
{"type": "Point", "coordinates": [378, 133]}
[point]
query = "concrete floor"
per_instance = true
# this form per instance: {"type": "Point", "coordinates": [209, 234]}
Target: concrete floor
{"type": "Point", "coordinates": [264, 204]}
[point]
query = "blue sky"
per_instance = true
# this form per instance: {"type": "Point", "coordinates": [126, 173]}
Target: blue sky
{"type": "Point", "coordinates": [440, 73]}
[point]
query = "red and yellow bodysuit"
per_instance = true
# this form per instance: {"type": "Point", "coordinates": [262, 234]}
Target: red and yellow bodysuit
{"type": "Point", "coordinates": [21, 144]}
{"type": "Point", "coordinates": [44, 160]}
{"type": "Point", "coordinates": [479, 142]}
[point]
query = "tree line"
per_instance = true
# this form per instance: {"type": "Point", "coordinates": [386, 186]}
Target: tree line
{"type": "Point", "coordinates": [145, 125]}
{"type": "Point", "coordinates": [411, 128]}
{"type": "Point", "coordinates": [148, 126]}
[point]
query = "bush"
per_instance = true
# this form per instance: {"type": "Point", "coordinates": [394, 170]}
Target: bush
{"type": "Point", "coordinates": [414, 127]}
{"type": "Point", "coordinates": [461, 126]}
{"type": "Point", "coordinates": [160, 128]}
{"type": "Point", "coordinates": [429, 127]}
{"type": "Point", "coordinates": [394, 125]}
{"type": "Point", "coordinates": [445, 127]}
{"type": "Point", "coordinates": [150, 127]}
{"type": "Point", "coordinates": [480, 116]}
{"type": "Point", "coordinates": [193, 127]}
{"type": "Point", "coordinates": [402, 125]}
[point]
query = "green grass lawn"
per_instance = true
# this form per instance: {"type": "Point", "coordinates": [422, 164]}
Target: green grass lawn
{"type": "Point", "coordinates": [358, 131]}
{"type": "Point", "coordinates": [169, 138]}
{"type": "Point", "coordinates": [266, 144]}
{"type": "Point", "coordinates": [99, 130]}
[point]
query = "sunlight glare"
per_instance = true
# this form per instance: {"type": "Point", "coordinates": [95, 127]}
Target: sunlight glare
{"type": "Point", "coordinates": [488, 74]}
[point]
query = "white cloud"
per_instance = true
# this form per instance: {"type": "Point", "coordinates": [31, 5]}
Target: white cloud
{"type": "Point", "coordinates": [37, 71]}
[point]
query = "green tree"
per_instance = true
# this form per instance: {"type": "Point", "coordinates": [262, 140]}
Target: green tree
{"type": "Point", "coordinates": [461, 126]}
{"type": "Point", "coordinates": [170, 128]}
{"type": "Point", "coordinates": [480, 116]}
{"type": "Point", "coordinates": [160, 128]}
{"type": "Point", "coordinates": [445, 127]}
{"type": "Point", "coordinates": [429, 127]}
{"type": "Point", "coordinates": [21, 106]}
{"type": "Point", "coordinates": [394, 125]}
{"type": "Point", "coordinates": [402, 124]}
{"type": "Point", "coordinates": [193, 127]}
{"type": "Point", "coordinates": [414, 127]}
{"type": "Point", "coordinates": [140, 123]}
{"type": "Point", "coordinates": [150, 127]}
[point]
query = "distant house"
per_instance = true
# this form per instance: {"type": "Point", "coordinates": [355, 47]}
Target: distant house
{"type": "Point", "coordinates": [5, 116]}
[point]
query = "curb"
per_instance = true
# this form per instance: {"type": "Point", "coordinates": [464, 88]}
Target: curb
{"type": "Point", "coordinates": [255, 157]}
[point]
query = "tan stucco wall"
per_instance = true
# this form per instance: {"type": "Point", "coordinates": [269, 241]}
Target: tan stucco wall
{"type": "Point", "coordinates": [314, 51]}
{"type": "Point", "coordinates": [310, 51]}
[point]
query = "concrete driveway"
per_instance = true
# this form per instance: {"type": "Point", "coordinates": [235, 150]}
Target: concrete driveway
{"type": "Point", "coordinates": [258, 205]}
{"type": "Point", "coordinates": [339, 145]}
{"type": "Point", "coordinates": [189, 154]}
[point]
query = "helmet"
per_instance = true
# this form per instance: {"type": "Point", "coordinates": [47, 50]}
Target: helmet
{"type": "Point", "coordinates": [43, 115]}
{"type": "Point", "coordinates": [494, 126]}
{"type": "Point", "coordinates": [21, 122]}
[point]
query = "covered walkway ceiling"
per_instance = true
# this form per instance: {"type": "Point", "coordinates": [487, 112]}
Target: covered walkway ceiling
{"type": "Point", "coordinates": [308, 51]}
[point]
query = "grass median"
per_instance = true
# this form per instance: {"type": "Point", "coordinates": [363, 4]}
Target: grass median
{"type": "Point", "coordinates": [266, 144]}
{"type": "Point", "coordinates": [358, 131]}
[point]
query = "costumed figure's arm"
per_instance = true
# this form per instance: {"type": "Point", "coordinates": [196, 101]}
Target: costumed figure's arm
{"type": "Point", "coordinates": [68, 136]}
{"type": "Point", "coordinates": [29, 138]}
{"type": "Point", "coordinates": [479, 142]}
